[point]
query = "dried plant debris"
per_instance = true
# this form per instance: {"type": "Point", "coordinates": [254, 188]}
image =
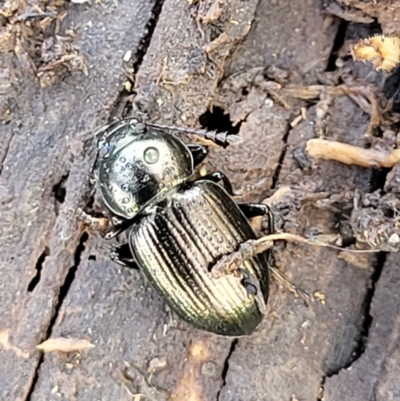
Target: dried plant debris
{"type": "Point", "coordinates": [348, 14]}
{"type": "Point", "coordinates": [375, 221]}
{"type": "Point", "coordinates": [392, 182]}
{"type": "Point", "coordinates": [63, 344]}
{"type": "Point", "coordinates": [157, 364]}
{"type": "Point", "coordinates": [382, 11]}
{"type": "Point", "coordinates": [382, 51]}
{"type": "Point", "coordinates": [208, 12]}
{"type": "Point", "coordinates": [7, 99]}
{"type": "Point", "coordinates": [371, 220]}
{"type": "Point", "coordinates": [59, 53]}
{"type": "Point", "coordinates": [31, 32]}
{"type": "Point", "coordinates": [136, 383]}
{"type": "Point", "coordinates": [221, 25]}
{"type": "Point", "coordinates": [369, 98]}
{"type": "Point", "coordinates": [349, 154]}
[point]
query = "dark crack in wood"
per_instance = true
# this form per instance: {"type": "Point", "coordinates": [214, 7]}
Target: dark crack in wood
{"type": "Point", "coordinates": [61, 296]}
{"type": "Point", "coordinates": [275, 177]}
{"type": "Point", "coordinates": [226, 366]}
{"type": "Point", "coordinates": [337, 45]}
{"type": "Point", "coordinates": [123, 105]}
{"type": "Point", "coordinates": [361, 344]}
{"type": "Point", "coordinates": [39, 265]}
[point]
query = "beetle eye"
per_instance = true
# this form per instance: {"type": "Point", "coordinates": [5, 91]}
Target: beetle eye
{"type": "Point", "coordinates": [151, 155]}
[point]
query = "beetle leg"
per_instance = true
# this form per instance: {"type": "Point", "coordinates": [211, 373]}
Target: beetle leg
{"type": "Point", "coordinates": [109, 228]}
{"type": "Point", "coordinates": [248, 282]}
{"type": "Point", "coordinates": [251, 210]}
{"type": "Point", "coordinates": [123, 256]}
{"type": "Point", "coordinates": [230, 263]}
{"type": "Point", "coordinates": [118, 225]}
{"type": "Point", "coordinates": [217, 176]}
{"type": "Point", "coordinates": [252, 288]}
{"type": "Point", "coordinates": [99, 223]}
{"type": "Point", "coordinates": [199, 153]}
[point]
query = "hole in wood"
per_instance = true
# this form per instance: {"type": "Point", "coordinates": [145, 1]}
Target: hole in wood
{"type": "Point", "coordinates": [218, 120]}
{"type": "Point", "coordinates": [59, 189]}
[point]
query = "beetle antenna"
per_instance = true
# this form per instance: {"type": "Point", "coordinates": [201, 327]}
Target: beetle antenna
{"type": "Point", "coordinates": [218, 137]}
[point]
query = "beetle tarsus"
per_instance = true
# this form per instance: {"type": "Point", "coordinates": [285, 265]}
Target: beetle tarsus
{"type": "Point", "coordinates": [123, 256]}
{"type": "Point", "coordinates": [99, 223]}
{"type": "Point", "coordinates": [249, 282]}
{"type": "Point", "coordinates": [252, 287]}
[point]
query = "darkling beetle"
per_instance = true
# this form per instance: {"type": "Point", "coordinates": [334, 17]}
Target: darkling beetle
{"type": "Point", "coordinates": [180, 228]}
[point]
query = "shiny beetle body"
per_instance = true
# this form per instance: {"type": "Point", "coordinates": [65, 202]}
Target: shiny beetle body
{"type": "Point", "coordinates": [180, 228]}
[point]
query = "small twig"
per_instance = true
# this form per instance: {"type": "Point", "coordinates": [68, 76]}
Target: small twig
{"type": "Point", "coordinates": [32, 15]}
{"type": "Point", "coordinates": [231, 262]}
{"type": "Point", "coordinates": [349, 154]}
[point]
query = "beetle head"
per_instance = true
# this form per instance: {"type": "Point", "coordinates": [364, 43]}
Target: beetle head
{"type": "Point", "coordinates": [138, 164]}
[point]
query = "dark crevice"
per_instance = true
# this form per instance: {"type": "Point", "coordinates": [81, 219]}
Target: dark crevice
{"type": "Point", "coordinates": [391, 89]}
{"type": "Point", "coordinates": [378, 178]}
{"type": "Point", "coordinates": [361, 344]}
{"type": "Point", "coordinates": [90, 203]}
{"type": "Point", "coordinates": [69, 278]}
{"type": "Point", "coordinates": [150, 27]}
{"type": "Point", "coordinates": [226, 366]}
{"type": "Point", "coordinates": [59, 190]}
{"type": "Point", "coordinates": [61, 296]}
{"type": "Point", "coordinates": [92, 257]}
{"type": "Point", "coordinates": [380, 262]}
{"type": "Point", "coordinates": [337, 45]}
{"type": "Point", "coordinates": [123, 104]}
{"type": "Point", "coordinates": [347, 242]}
{"type": "Point", "coordinates": [275, 177]}
{"type": "Point", "coordinates": [39, 265]}
{"type": "Point", "coordinates": [217, 120]}
{"type": "Point", "coordinates": [358, 30]}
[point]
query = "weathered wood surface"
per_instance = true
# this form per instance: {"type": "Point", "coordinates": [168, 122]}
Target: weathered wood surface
{"type": "Point", "coordinates": [77, 292]}
{"type": "Point", "coordinates": [375, 375]}
{"type": "Point", "coordinates": [49, 141]}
